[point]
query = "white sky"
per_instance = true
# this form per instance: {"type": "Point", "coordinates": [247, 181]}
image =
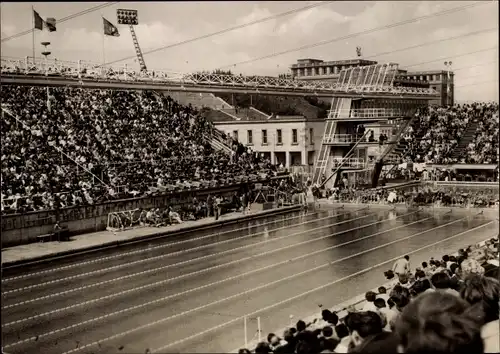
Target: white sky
{"type": "Point", "coordinates": [166, 23]}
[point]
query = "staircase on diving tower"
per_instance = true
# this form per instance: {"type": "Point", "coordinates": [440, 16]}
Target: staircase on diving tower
{"type": "Point", "coordinates": [340, 108]}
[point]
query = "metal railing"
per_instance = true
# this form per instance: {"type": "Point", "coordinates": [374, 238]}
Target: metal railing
{"type": "Point", "coordinates": [82, 69]}
{"type": "Point", "coordinates": [340, 139]}
{"type": "Point", "coordinates": [350, 162]}
{"type": "Point", "coordinates": [367, 113]}
{"type": "Point", "coordinates": [344, 139]}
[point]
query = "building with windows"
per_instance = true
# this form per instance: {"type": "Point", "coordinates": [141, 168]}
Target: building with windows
{"type": "Point", "coordinates": [290, 140]}
{"type": "Point", "coordinates": [440, 80]}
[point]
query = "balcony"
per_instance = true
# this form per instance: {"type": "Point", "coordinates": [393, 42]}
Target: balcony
{"type": "Point", "coordinates": [366, 113]}
{"type": "Point", "coordinates": [345, 139]}
{"type": "Point", "coordinates": [349, 163]}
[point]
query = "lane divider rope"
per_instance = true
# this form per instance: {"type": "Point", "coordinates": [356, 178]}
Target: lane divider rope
{"type": "Point", "coordinates": [147, 325]}
{"type": "Point", "coordinates": [252, 314]}
{"type": "Point", "coordinates": [101, 259]}
{"type": "Point", "coordinates": [107, 297]}
{"type": "Point", "coordinates": [214, 302]}
{"type": "Point", "coordinates": [29, 287]}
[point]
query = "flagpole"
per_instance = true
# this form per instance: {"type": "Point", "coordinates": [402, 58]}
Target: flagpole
{"type": "Point", "coordinates": [33, 16]}
{"type": "Point", "coordinates": [103, 35]}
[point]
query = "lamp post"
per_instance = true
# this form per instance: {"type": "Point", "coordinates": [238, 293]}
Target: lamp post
{"type": "Point", "coordinates": [447, 64]}
{"type": "Point", "coordinates": [46, 53]}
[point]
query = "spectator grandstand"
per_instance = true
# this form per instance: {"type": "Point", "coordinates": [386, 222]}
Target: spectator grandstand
{"type": "Point", "coordinates": [82, 146]}
{"type": "Point", "coordinates": [465, 133]}
{"type": "Point", "coordinates": [456, 300]}
{"type": "Point", "coordinates": [420, 195]}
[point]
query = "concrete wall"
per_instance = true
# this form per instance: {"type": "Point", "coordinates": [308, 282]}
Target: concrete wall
{"type": "Point", "coordinates": [20, 229]}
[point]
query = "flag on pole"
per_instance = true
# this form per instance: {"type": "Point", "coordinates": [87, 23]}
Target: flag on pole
{"type": "Point", "coordinates": [51, 24]}
{"type": "Point", "coordinates": [358, 51]}
{"type": "Point", "coordinates": [110, 29]}
{"type": "Point", "coordinates": [38, 20]}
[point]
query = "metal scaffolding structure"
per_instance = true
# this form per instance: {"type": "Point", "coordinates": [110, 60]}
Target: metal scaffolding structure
{"type": "Point", "coordinates": [374, 79]}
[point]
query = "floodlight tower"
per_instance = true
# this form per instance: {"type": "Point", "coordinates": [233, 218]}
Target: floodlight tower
{"type": "Point", "coordinates": [130, 18]}
{"type": "Point", "coordinates": [46, 53]}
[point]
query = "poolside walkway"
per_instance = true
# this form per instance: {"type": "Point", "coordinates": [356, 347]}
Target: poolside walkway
{"type": "Point", "coordinates": [92, 241]}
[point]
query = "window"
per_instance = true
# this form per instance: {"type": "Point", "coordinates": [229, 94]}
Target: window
{"type": "Point", "coordinates": [279, 137]}
{"type": "Point", "coordinates": [264, 137]}
{"type": "Point", "coordinates": [311, 136]}
{"type": "Point", "coordinates": [294, 136]}
{"type": "Point", "coordinates": [249, 137]}
{"type": "Point", "coordinates": [235, 134]}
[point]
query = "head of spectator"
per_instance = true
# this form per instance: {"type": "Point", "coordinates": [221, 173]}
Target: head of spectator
{"type": "Point", "coordinates": [262, 348]}
{"type": "Point", "coordinates": [383, 342]}
{"type": "Point", "coordinates": [407, 257]}
{"type": "Point", "coordinates": [382, 290]}
{"type": "Point", "coordinates": [362, 325]}
{"type": "Point", "coordinates": [271, 337]}
{"type": "Point", "coordinates": [327, 345]}
{"type": "Point", "coordinates": [290, 339]}
{"type": "Point", "coordinates": [304, 347]}
{"type": "Point", "coordinates": [401, 297]}
{"type": "Point", "coordinates": [333, 319]}
{"type": "Point", "coordinates": [441, 281]}
{"type": "Point", "coordinates": [438, 322]}
{"type": "Point", "coordinates": [482, 292]}
{"type": "Point", "coordinates": [403, 279]}
{"type": "Point", "coordinates": [325, 314]}
{"type": "Point", "coordinates": [327, 331]}
{"type": "Point", "coordinates": [424, 265]}
{"type": "Point", "coordinates": [391, 303]}
{"type": "Point", "coordinates": [370, 296]}
{"type": "Point", "coordinates": [342, 331]}
{"type": "Point", "coordinates": [419, 287]}
{"type": "Point", "coordinates": [379, 303]}
{"type": "Point", "coordinates": [419, 274]}
{"type": "Point", "coordinates": [453, 268]}
{"type": "Point", "coordinates": [389, 274]}
{"type": "Point", "coordinates": [244, 351]}
{"type": "Point", "coordinates": [461, 258]}
{"type": "Point", "coordinates": [317, 332]}
{"type": "Point", "coordinates": [446, 258]}
{"type": "Point", "coordinates": [301, 326]}
{"type": "Point", "coordinates": [453, 259]}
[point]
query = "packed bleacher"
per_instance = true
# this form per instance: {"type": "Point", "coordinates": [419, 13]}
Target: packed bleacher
{"type": "Point", "coordinates": [437, 133]}
{"type": "Point", "coordinates": [419, 196]}
{"type": "Point", "coordinates": [447, 305]}
{"type": "Point", "coordinates": [84, 146]}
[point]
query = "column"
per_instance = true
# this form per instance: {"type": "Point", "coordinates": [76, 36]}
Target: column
{"type": "Point", "coordinates": [273, 158]}
{"type": "Point", "coordinates": [303, 156]}
{"type": "Point", "coordinates": [287, 159]}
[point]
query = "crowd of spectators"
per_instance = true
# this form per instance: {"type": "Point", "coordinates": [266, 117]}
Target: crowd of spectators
{"type": "Point", "coordinates": [71, 146]}
{"type": "Point", "coordinates": [484, 146]}
{"type": "Point", "coordinates": [447, 305]}
{"type": "Point", "coordinates": [419, 196]}
{"type": "Point", "coordinates": [437, 131]}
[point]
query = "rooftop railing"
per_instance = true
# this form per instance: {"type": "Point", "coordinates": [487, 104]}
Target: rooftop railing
{"type": "Point", "coordinates": [366, 113]}
{"type": "Point", "coordinates": [82, 69]}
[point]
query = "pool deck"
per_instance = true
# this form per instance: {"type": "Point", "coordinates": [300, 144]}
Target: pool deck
{"type": "Point", "coordinates": [39, 251]}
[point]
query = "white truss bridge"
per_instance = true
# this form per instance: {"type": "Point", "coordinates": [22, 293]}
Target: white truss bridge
{"type": "Point", "coordinates": [373, 79]}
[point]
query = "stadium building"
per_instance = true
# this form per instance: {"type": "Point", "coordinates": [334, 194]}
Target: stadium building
{"type": "Point", "coordinates": [288, 130]}
{"type": "Point", "coordinates": [329, 71]}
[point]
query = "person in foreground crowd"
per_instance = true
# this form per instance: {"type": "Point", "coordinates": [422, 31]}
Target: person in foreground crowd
{"type": "Point", "coordinates": [483, 293]}
{"type": "Point", "coordinates": [402, 266]}
{"type": "Point", "coordinates": [433, 314]}
{"type": "Point", "coordinates": [439, 322]}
